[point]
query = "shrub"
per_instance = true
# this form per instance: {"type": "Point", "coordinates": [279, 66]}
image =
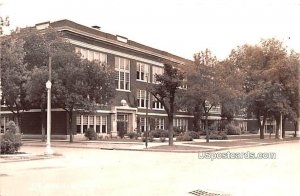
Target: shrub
{"type": "Point", "coordinates": [184, 137]}
{"type": "Point", "coordinates": [162, 139]}
{"type": "Point", "coordinates": [157, 133]}
{"type": "Point", "coordinates": [202, 133]}
{"type": "Point", "coordinates": [177, 131]}
{"type": "Point", "coordinates": [194, 134]}
{"type": "Point", "coordinates": [218, 136]}
{"type": "Point", "coordinates": [254, 131]}
{"type": "Point", "coordinates": [121, 133]}
{"type": "Point", "coordinates": [213, 127]}
{"type": "Point", "coordinates": [132, 135]}
{"type": "Point", "coordinates": [233, 129]}
{"type": "Point", "coordinates": [11, 140]}
{"type": "Point", "coordinates": [164, 133]}
{"type": "Point", "coordinates": [154, 133]}
{"type": "Point", "coordinates": [90, 134]}
{"type": "Point", "coordinates": [150, 139]}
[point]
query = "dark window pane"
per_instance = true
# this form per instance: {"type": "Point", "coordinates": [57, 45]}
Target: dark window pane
{"type": "Point", "coordinates": [103, 128]}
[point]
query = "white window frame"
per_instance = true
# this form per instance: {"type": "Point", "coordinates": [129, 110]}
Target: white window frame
{"type": "Point", "coordinates": [156, 105]}
{"type": "Point", "coordinates": [142, 72]}
{"type": "Point", "coordinates": [159, 123]}
{"type": "Point", "coordinates": [181, 123]}
{"type": "Point", "coordinates": [122, 68]}
{"type": "Point", "coordinates": [92, 121]}
{"type": "Point", "coordinates": [91, 55]}
{"type": "Point", "coordinates": [184, 84]}
{"type": "Point", "coordinates": [158, 71]}
{"type": "Point", "coordinates": [143, 124]}
{"type": "Point", "coordinates": [142, 99]}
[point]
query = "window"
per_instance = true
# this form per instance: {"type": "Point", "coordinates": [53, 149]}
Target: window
{"type": "Point", "coordinates": [156, 104]}
{"type": "Point", "coordinates": [180, 123]}
{"type": "Point", "coordinates": [143, 124]}
{"type": "Point", "coordinates": [122, 68]}
{"type": "Point", "coordinates": [184, 83]}
{"type": "Point", "coordinates": [99, 123]}
{"type": "Point", "coordinates": [92, 55]}
{"type": "Point", "coordinates": [84, 123]}
{"type": "Point", "coordinates": [142, 71]}
{"type": "Point", "coordinates": [159, 123]}
{"type": "Point", "coordinates": [78, 124]}
{"type": "Point", "coordinates": [4, 121]}
{"type": "Point", "coordinates": [142, 98]}
{"type": "Point", "coordinates": [156, 71]}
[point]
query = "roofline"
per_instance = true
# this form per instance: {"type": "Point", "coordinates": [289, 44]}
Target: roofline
{"type": "Point", "coordinates": [67, 25]}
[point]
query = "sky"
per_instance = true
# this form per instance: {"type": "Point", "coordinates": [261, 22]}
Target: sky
{"type": "Point", "coordinates": [180, 27]}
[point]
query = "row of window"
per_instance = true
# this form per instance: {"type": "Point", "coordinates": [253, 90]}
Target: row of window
{"type": "Point", "coordinates": [122, 68]}
{"type": "Point", "coordinates": [159, 123]}
{"type": "Point", "coordinates": [92, 55]}
{"type": "Point", "coordinates": [143, 100]}
{"type": "Point", "coordinates": [99, 123]}
{"type": "Point", "coordinates": [181, 123]}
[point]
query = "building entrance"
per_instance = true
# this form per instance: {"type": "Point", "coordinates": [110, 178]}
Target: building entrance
{"type": "Point", "coordinates": [122, 123]}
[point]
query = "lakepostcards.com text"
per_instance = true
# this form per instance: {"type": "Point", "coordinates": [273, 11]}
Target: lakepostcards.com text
{"type": "Point", "coordinates": [236, 155]}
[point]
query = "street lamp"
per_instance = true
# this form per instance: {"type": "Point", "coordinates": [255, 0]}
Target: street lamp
{"type": "Point", "coordinates": [206, 108]}
{"type": "Point", "coordinates": [48, 148]}
{"type": "Point", "coordinates": [3, 23]}
{"type": "Point", "coordinates": [280, 127]}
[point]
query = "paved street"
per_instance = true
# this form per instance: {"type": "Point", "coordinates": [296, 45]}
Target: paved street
{"type": "Point", "coordinates": [82, 171]}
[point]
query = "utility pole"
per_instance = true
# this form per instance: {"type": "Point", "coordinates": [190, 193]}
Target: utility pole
{"type": "Point", "coordinates": [147, 103]}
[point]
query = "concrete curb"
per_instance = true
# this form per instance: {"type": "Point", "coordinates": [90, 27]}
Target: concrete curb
{"type": "Point", "coordinates": [164, 150]}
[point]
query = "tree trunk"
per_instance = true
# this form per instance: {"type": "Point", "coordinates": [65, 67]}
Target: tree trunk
{"type": "Point", "coordinates": [170, 118]}
{"type": "Point", "coordinates": [70, 126]}
{"type": "Point", "coordinates": [283, 127]}
{"type": "Point", "coordinates": [261, 126]}
{"type": "Point", "coordinates": [296, 126]}
{"type": "Point", "coordinates": [206, 127]}
{"type": "Point", "coordinates": [197, 117]}
{"type": "Point", "coordinates": [170, 129]}
{"type": "Point", "coordinates": [43, 120]}
{"type": "Point", "coordinates": [277, 127]}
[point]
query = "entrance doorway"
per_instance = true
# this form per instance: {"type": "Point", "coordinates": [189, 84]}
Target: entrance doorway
{"type": "Point", "coordinates": [122, 123]}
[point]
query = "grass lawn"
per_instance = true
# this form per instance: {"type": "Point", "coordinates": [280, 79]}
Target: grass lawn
{"type": "Point", "coordinates": [178, 147]}
{"type": "Point", "coordinates": [240, 142]}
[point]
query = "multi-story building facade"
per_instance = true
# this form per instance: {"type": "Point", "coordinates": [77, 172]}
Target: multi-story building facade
{"type": "Point", "coordinates": [135, 67]}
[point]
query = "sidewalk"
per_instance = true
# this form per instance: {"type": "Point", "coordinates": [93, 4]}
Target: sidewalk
{"type": "Point", "coordinates": [198, 145]}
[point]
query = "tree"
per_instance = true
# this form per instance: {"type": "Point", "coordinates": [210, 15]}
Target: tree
{"type": "Point", "coordinates": [264, 82]}
{"type": "Point", "coordinates": [165, 92]}
{"type": "Point", "coordinates": [82, 85]}
{"type": "Point", "coordinates": [14, 76]}
{"type": "Point", "coordinates": [36, 92]}
{"type": "Point", "coordinates": [204, 86]}
{"type": "Point", "coordinates": [39, 47]}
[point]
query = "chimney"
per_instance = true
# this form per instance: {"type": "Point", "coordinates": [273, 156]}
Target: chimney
{"type": "Point", "coordinates": [96, 27]}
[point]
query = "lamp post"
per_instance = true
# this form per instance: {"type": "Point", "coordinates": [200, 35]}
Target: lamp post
{"type": "Point", "coordinates": [206, 120]}
{"type": "Point", "coordinates": [3, 23]}
{"type": "Point", "coordinates": [48, 86]}
{"type": "Point", "coordinates": [280, 127]}
{"type": "Point", "coordinates": [147, 102]}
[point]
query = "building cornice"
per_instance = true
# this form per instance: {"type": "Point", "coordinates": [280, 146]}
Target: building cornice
{"type": "Point", "coordinates": [117, 43]}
